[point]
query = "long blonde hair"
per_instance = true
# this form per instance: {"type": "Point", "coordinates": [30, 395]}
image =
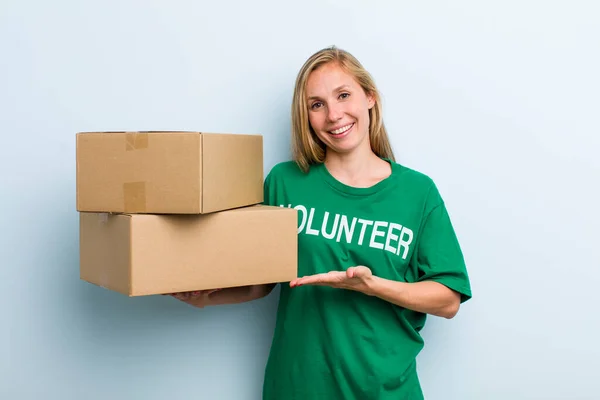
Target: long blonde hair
{"type": "Point", "coordinates": [307, 148]}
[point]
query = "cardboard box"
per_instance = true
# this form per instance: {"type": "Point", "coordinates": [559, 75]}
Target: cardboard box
{"type": "Point", "coordinates": [168, 172]}
{"type": "Point", "coordinates": [144, 254]}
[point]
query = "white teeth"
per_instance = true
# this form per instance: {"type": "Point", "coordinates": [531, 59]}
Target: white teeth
{"type": "Point", "coordinates": [342, 129]}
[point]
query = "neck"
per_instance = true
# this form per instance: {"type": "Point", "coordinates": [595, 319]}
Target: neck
{"type": "Point", "coordinates": [361, 168]}
{"type": "Point", "coordinates": [351, 164]}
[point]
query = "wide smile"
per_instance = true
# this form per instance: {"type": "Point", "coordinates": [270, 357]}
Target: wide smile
{"type": "Point", "coordinates": [341, 131]}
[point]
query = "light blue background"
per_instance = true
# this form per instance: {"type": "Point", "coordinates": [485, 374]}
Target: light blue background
{"type": "Point", "coordinates": [497, 101]}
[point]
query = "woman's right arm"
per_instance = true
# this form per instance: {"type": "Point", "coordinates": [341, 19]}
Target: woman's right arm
{"type": "Point", "coordinates": [234, 295]}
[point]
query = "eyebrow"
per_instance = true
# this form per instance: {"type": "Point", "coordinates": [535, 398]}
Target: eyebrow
{"type": "Point", "coordinates": [337, 89]}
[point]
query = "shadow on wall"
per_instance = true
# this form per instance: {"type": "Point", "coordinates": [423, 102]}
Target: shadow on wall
{"type": "Point", "coordinates": [98, 322]}
{"type": "Point", "coordinates": [102, 314]}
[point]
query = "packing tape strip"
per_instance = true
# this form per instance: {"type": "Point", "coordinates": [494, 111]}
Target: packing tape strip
{"type": "Point", "coordinates": [134, 197]}
{"type": "Point", "coordinates": [136, 141]}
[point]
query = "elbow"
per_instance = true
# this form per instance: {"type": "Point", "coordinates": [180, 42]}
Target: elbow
{"type": "Point", "coordinates": [452, 306]}
{"type": "Point", "coordinates": [450, 310]}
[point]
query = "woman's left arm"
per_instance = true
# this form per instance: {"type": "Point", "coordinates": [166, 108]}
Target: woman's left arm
{"type": "Point", "coordinates": [426, 296]}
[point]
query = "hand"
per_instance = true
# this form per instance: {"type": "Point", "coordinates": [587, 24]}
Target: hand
{"type": "Point", "coordinates": [198, 298]}
{"type": "Point", "coordinates": [356, 278]}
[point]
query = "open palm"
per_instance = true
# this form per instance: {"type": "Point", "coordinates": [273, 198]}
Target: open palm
{"type": "Point", "coordinates": [354, 278]}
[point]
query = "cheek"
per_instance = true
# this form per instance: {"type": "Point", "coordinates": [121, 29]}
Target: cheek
{"type": "Point", "coordinates": [316, 121]}
{"type": "Point", "coordinates": [363, 112]}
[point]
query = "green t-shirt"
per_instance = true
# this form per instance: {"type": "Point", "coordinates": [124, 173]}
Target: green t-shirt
{"type": "Point", "coordinates": [341, 344]}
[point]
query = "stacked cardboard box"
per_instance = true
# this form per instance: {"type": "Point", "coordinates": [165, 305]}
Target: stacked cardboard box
{"type": "Point", "coordinates": [164, 212]}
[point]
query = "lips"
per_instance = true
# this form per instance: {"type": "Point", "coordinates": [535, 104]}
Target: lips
{"type": "Point", "coordinates": [341, 130]}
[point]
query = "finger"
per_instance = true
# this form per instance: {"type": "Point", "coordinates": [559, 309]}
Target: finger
{"type": "Point", "coordinates": [320, 279]}
{"type": "Point", "coordinates": [181, 296]}
{"type": "Point", "coordinates": [300, 281]}
{"type": "Point", "coordinates": [308, 282]}
{"type": "Point", "coordinates": [311, 279]}
{"type": "Point", "coordinates": [297, 282]}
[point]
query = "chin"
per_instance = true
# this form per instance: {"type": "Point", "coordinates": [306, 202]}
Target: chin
{"type": "Point", "coordinates": [345, 145]}
{"type": "Point", "coordinates": [342, 149]}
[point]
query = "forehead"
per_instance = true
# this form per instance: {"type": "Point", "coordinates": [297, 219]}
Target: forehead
{"type": "Point", "coordinates": [327, 78]}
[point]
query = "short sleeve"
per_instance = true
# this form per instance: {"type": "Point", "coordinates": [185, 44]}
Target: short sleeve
{"type": "Point", "coordinates": [439, 256]}
{"type": "Point", "coordinates": [267, 193]}
{"type": "Point", "coordinates": [270, 187]}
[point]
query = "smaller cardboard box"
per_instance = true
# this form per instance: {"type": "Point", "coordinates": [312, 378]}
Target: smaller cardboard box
{"type": "Point", "coordinates": [168, 172]}
{"type": "Point", "coordinates": [145, 254]}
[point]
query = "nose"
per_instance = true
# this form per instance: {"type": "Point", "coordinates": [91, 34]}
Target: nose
{"type": "Point", "coordinates": [334, 113]}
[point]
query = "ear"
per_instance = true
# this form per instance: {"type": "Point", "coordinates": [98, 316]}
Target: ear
{"type": "Point", "coordinates": [370, 100]}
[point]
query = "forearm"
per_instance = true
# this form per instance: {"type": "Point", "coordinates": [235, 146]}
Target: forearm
{"type": "Point", "coordinates": [238, 294]}
{"type": "Point", "coordinates": [426, 297]}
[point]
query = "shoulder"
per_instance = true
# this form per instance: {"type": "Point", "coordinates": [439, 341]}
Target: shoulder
{"type": "Point", "coordinates": [284, 169]}
{"type": "Point", "coordinates": [418, 183]}
{"type": "Point", "coordinates": [283, 178]}
{"type": "Point", "coordinates": [287, 170]}
{"type": "Point", "coordinates": [281, 175]}
{"type": "Point", "coordinates": [412, 176]}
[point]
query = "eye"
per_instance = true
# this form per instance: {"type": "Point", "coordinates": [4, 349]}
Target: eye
{"type": "Point", "coordinates": [315, 105]}
{"type": "Point", "coordinates": [344, 95]}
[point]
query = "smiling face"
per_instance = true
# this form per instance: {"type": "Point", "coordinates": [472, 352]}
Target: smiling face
{"type": "Point", "coordinates": [338, 109]}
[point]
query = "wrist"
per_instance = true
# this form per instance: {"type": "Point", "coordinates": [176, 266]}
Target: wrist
{"type": "Point", "coordinates": [372, 285]}
{"type": "Point", "coordinates": [384, 288]}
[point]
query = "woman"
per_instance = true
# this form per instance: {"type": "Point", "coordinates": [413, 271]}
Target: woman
{"type": "Point", "coordinates": [377, 250]}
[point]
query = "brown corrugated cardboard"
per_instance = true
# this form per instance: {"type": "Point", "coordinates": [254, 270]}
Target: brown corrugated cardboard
{"type": "Point", "coordinates": [168, 172]}
{"type": "Point", "coordinates": [144, 254]}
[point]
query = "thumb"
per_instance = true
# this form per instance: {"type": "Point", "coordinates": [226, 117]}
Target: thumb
{"type": "Point", "coordinates": [358, 272]}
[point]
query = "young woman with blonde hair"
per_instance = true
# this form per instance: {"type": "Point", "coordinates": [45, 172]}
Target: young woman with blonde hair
{"type": "Point", "coordinates": [377, 249]}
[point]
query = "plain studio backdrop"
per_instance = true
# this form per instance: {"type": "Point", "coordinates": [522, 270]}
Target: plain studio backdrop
{"type": "Point", "coordinates": [497, 101]}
